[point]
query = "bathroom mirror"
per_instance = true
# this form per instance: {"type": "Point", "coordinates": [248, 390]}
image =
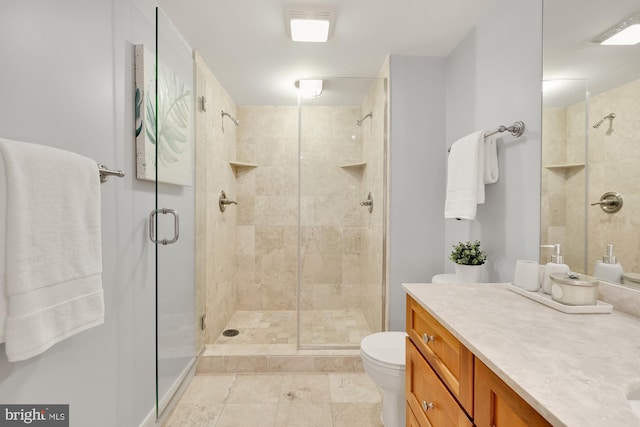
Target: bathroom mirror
{"type": "Point", "coordinates": [591, 136]}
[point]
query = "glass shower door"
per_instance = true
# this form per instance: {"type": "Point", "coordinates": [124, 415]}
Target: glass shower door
{"type": "Point", "coordinates": [172, 220]}
{"type": "Point", "coordinates": [341, 230]}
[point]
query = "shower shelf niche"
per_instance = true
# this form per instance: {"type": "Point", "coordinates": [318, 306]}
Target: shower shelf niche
{"type": "Point", "coordinates": [354, 166]}
{"type": "Point", "coordinates": [241, 165]}
{"type": "Point", "coordinates": [565, 166]}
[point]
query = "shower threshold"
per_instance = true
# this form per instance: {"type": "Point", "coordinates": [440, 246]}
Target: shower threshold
{"type": "Point", "coordinates": [267, 343]}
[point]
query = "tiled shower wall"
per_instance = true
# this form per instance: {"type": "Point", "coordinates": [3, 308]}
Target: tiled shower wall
{"type": "Point", "coordinates": [267, 208]}
{"type": "Point", "coordinates": [563, 195]}
{"type": "Point", "coordinates": [372, 256]}
{"type": "Point", "coordinates": [215, 230]}
{"type": "Point", "coordinates": [331, 217]}
{"type": "Point", "coordinates": [613, 166]}
{"type": "Point", "coordinates": [341, 242]}
{"type": "Point", "coordinates": [613, 158]}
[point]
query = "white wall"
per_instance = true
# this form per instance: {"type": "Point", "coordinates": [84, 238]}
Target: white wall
{"type": "Point", "coordinates": [66, 81]}
{"type": "Point", "coordinates": [494, 77]}
{"type": "Point", "coordinates": [416, 184]}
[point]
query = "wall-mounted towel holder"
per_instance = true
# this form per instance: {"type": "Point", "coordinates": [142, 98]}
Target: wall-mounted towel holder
{"type": "Point", "coordinates": [516, 129]}
{"type": "Point", "coordinates": [105, 172]}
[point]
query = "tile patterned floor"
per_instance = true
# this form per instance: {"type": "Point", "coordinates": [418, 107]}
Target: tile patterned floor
{"type": "Point", "coordinates": [317, 327]}
{"type": "Point", "coordinates": [279, 400]}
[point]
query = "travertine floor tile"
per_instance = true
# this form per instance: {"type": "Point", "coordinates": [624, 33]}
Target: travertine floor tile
{"type": "Point", "coordinates": [304, 414]}
{"type": "Point", "coordinates": [248, 415]}
{"type": "Point", "coordinates": [356, 414]}
{"type": "Point", "coordinates": [256, 389]}
{"type": "Point", "coordinates": [305, 388]}
{"type": "Point", "coordinates": [208, 389]}
{"type": "Point", "coordinates": [192, 415]}
{"type": "Point", "coordinates": [353, 388]}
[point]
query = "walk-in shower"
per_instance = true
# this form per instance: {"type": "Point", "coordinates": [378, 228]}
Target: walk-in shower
{"type": "Point", "coordinates": [298, 263]}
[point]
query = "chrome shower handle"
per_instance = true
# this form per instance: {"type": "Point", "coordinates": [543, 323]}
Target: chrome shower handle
{"type": "Point", "coordinates": [368, 202]}
{"type": "Point", "coordinates": [223, 201]}
{"type": "Point", "coordinates": [610, 202]}
{"type": "Point", "coordinates": [176, 226]}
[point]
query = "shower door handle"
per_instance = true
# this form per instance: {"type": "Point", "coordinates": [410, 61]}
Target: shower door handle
{"type": "Point", "coordinates": [176, 226]}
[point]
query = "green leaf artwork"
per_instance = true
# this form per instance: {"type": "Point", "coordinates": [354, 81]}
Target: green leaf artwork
{"type": "Point", "coordinates": [163, 132]}
{"type": "Point", "coordinates": [174, 101]}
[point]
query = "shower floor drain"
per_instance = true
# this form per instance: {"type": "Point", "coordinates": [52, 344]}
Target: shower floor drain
{"type": "Point", "coordinates": [230, 332]}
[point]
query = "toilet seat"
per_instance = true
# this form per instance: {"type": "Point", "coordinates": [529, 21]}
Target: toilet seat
{"type": "Point", "coordinates": [385, 348]}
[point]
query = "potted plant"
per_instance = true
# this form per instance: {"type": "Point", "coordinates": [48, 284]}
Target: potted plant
{"type": "Point", "coordinates": [469, 258]}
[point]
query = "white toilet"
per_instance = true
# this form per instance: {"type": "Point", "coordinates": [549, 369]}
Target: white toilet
{"type": "Point", "coordinates": [444, 278]}
{"type": "Point", "coordinates": [383, 358]}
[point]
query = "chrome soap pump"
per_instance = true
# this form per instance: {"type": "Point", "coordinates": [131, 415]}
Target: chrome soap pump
{"type": "Point", "coordinates": [556, 265]}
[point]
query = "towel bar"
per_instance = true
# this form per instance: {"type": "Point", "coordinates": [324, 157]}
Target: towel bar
{"type": "Point", "coordinates": [105, 172]}
{"type": "Point", "coordinates": [516, 129]}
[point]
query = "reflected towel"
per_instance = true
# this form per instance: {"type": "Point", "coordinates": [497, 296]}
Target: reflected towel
{"type": "Point", "coordinates": [53, 255]}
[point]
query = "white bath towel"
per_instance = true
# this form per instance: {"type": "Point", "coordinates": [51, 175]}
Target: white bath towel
{"type": "Point", "coordinates": [465, 177]}
{"type": "Point", "coordinates": [491, 171]}
{"type": "Point", "coordinates": [53, 254]}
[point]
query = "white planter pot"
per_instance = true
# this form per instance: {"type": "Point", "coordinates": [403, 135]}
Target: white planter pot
{"type": "Point", "coordinates": [468, 273]}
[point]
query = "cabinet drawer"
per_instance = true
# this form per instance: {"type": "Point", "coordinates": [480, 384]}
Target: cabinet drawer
{"type": "Point", "coordinates": [497, 405]}
{"type": "Point", "coordinates": [411, 419]}
{"type": "Point", "coordinates": [451, 360]}
{"type": "Point", "coordinates": [427, 397]}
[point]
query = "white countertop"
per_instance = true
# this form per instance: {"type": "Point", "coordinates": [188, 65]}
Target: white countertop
{"type": "Point", "coordinates": [574, 369]}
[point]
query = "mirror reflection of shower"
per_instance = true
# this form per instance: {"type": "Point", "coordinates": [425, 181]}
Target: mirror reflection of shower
{"type": "Point", "coordinates": [359, 123]}
{"type": "Point", "coordinates": [233, 119]}
{"type": "Point", "coordinates": [609, 117]}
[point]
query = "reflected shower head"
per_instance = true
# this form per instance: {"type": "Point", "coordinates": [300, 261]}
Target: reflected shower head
{"type": "Point", "coordinates": [233, 119]}
{"type": "Point", "coordinates": [611, 116]}
{"type": "Point", "coordinates": [359, 122]}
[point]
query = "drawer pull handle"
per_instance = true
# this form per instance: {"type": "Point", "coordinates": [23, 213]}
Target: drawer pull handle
{"type": "Point", "coordinates": [426, 338]}
{"type": "Point", "coordinates": [426, 406]}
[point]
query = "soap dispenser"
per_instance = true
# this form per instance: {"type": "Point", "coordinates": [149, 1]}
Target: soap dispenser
{"type": "Point", "coordinates": [608, 269]}
{"type": "Point", "coordinates": [556, 265]}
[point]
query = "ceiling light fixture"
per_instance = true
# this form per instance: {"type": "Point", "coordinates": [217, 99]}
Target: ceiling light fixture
{"type": "Point", "coordinates": [626, 33]}
{"type": "Point", "coordinates": [309, 25]}
{"type": "Point", "coordinates": [309, 88]}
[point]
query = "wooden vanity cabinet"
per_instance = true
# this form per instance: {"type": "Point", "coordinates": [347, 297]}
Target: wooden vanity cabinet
{"type": "Point", "coordinates": [432, 404]}
{"type": "Point", "coordinates": [446, 355]}
{"type": "Point", "coordinates": [447, 386]}
{"type": "Point", "coordinates": [439, 372]}
{"type": "Point", "coordinates": [497, 405]}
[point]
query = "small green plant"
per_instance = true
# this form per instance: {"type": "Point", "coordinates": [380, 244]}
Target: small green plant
{"type": "Point", "coordinates": [468, 253]}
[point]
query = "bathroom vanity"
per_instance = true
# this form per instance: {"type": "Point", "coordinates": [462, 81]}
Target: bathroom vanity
{"type": "Point", "coordinates": [481, 355]}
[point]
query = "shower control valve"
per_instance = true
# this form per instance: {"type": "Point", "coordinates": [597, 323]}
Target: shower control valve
{"type": "Point", "coordinates": [368, 202]}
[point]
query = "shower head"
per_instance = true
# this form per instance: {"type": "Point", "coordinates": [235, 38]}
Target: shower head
{"type": "Point", "coordinates": [233, 119]}
{"type": "Point", "coordinates": [359, 122]}
{"type": "Point", "coordinates": [610, 117]}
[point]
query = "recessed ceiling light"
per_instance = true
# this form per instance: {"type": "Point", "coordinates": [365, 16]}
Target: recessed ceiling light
{"type": "Point", "coordinates": [309, 25]}
{"type": "Point", "coordinates": [626, 32]}
{"type": "Point", "coordinates": [309, 88]}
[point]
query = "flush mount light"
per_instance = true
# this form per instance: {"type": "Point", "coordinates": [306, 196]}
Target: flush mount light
{"type": "Point", "coordinates": [626, 32]}
{"type": "Point", "coordinates": [309, 88]}
{"type": "Point", "coordinates": [309, 25]}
